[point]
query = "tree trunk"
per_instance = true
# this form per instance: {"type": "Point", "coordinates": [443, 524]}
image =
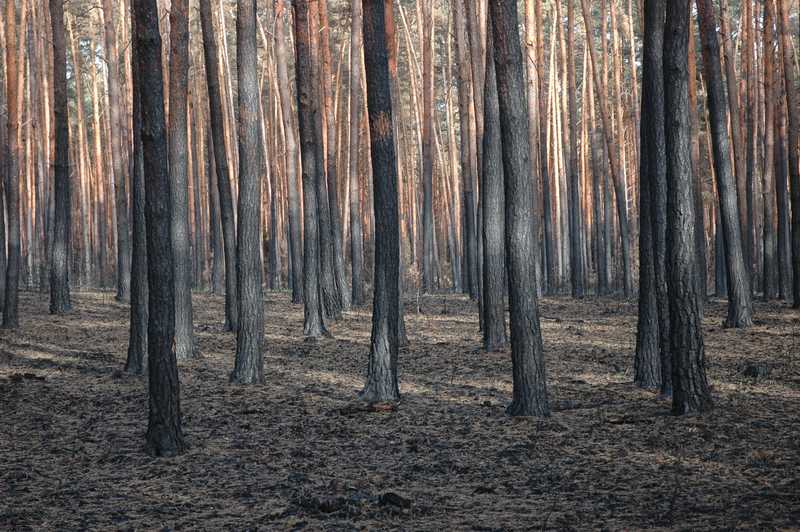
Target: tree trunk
{"type": "Point", "coordinates": [60, 252]}
{"type": "Point", "coordinates": [249, 362]}
{"type": "Point", "coordinates": [164, 433]}
{"type": "Point", "coordinates": [427, 146]}
{"type": "Point", "coordinates": [782, 193]}
{"type": "Point", "coordinates": [11, 300]}
{"type": "Point", "coordinates": [575, 219]}
{"type": "Point", "coordinates": [691, 392]}
{"type": "Point", "coordinates": [793, 103]}
{"type": "Point", "coordinates": [313, 326]}
{"type": "Point", "coordinates": [770, 243]}
{"type": "Point", "coordinates": [221, 160]}
{"type": "Point", "coordinates": [648, 364]}
{"type": "Point", "coordinates": [179, 168]}
{"type": "Point", "coordinates": [356, 232]}
{"type": "Point", "coordinates": [739, 298]}
{"type": "Point", "coordinates": [285, 93]}
{"type": "Point", "coordinates": [381, 384]}
{"type": "Point", "coordinates": [137, 338]}
{"type": "Point", "coordinates": [117, 167]}
{"type": "Point", "coordinates": [493, 308]}
{"type": "Point", "coordinates": [527, 351]}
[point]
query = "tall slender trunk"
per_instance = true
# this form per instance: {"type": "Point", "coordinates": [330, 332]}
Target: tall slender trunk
{"type": "Point", "coordinates": [691, 392]}
{"type": "Point", "coordinates": [313, 326]}
{"type": "Point", "coordinates": [117, 166]}
{"type": "Point", "coordinates": [769, 237]}
{"type": "Point", "coordinates": [221, 160]}
{"type": "Point", "coordinates": [249, 362]}
{"type": "Point", "coordinates": [164, 434]}
{"type": "Point", "coordinates": [793, 103]}
{"type": "Point", "coordinates": [179, 169]}
{"type": "Point", "coordinates": [356, 232]}
{"type": "Point", "coordinates": [527, 351]}
{"type": "Point", "coordinates": [493, 228]}
{"type": "Point", "coordinates": [60, 253]}
{"type": "Point", "coordinates": [649, 366]}
{"type": "Point", "coordinates": [739, 298]}
{"type": "Point", "coordinates": [285, 93]}
{"type": "Point", "coordinates": [11, 300]}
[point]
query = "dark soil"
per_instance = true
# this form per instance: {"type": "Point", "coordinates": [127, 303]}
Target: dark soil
{"type": "Point", "coordinates": [295, 453]}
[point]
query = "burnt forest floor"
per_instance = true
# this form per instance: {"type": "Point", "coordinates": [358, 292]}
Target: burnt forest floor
{"type": "Point", "coordinates": [294, 454]}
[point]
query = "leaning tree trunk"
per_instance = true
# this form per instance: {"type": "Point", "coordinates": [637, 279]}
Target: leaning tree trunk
{"type": "Point", "coordinates": [740, 311]}
{"type": "Point", "coordinates": [11, 300]}
{"type": "Point", "coordinates": [313, 326]}
{"type": "Point", "coordinates": [221, 159]}
{"type": "Point", "coordinates": [164, 433]}
{"type": "Point", "coordinates": [60, 252]}
{"type": "Point", "coordinates": [118, 124]}
{"type": "Point", "coordinates": [793, 102]}
{"type": "Point", "coordinates": [285, 94]}
{"type": "Point", "coordinates": [691, 392]}
{"type": "Point", "coordinates": [381, 385]}
{"type": "Point", "coordinates": [648, 370]}
{"type": "Point", "coordinates": [249, 362]}
{"type": "Point", "coordinates": [493, 308]}
{"type": "Point", "coordinates": [137, 338]}
{"type": "Point", "coordinates": [179, 172]}
{"type": "Point", "coordinates": [527, 350]}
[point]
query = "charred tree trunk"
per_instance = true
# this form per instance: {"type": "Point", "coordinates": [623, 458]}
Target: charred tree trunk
{"type": "Point", "coordinates": [60, 252]}
{"type": "Point", "coordinates": [793, 103]}
{"type": "Point", "coordinates": [313, 326]}
{"type": "Point", "coordinates": [137, 338]}
{"type": "Point", "coordinates": [527, 350]}
{"type": "Point", "coordinates": [381, 382]}
{"type": "Point", "coordinates": [164, 433]}
{"type": "Point", "coordinates": [493, 308]}
{"type": "Point", "coordinates": [249, 362]}
{"type": "Point", "coordinates": [691, 392]}
{"type": "Point", "coordinates": [739, 298]}
{"type": "Point", "coordinates": [649, 367]}
{"type": "Point", "coordinates": [576, 258]}
{"type": "Point", "coordinates": [179, 172]}
{"type": "Point", "coordinates": [221, 160]}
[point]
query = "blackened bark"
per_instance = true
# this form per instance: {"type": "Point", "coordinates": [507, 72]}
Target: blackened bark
{"type": "Point", "coordinates": [647, 364]}
{"type": "Point", "coordinates": [493, 307]}
{"type": "Point", "coordinates": [215, 223]}
{"type": "Point", "coordinates": [739, 298]}
{"type": "Point", "coordinates": [179, 172]}
{"type": "Point", "coordinates": [164, 434]}
{"type": "Point", "coordinates": [381, 384]}
{"type": "Point", "coordinates": [60, 251]}
{"type": "Point", "coordinates": [691, 392]}
{"type": "Point", "coordinates": [313, 326]}
{"type": "Point", "coordinates": [249, 362]}
{"type": "Point", "coordinates": [11, 299]}
{"type": "Point", "coordinates": [137, 336]}
{"type": "Point", "coordinates": [527, 350]}
{"type": "Point", "coordinates": [221, 160]}
{"type": "Point", "coordinates": [793, 103]}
